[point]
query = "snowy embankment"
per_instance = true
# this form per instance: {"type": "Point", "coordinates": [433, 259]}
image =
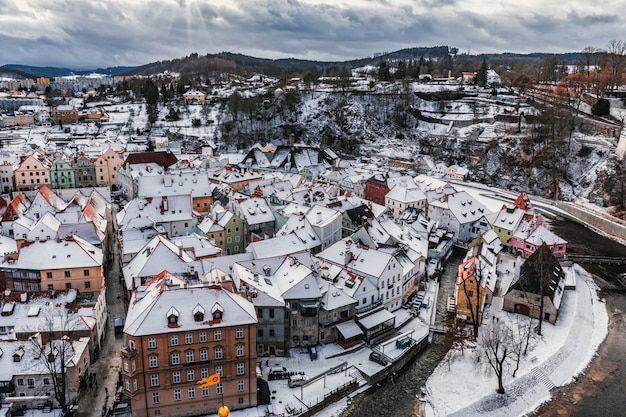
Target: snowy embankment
{"type": "Point", "coordinates": [463, 386]}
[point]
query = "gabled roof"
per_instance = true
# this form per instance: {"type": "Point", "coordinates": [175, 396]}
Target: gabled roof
{"type": "Point", "coordinates": [334, 298]}
{"type": "Point", "coordinates": [147, 311]}
{"type": "Point", "coordinates": [158, 254]}
{"type": "Point", "coordinates": [464, 207]}
{"type": "Point", "coordinates": [58, 254]}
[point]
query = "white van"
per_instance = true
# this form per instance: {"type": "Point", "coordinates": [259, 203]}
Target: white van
{"type": "Point", "coordinates": [296, 380]}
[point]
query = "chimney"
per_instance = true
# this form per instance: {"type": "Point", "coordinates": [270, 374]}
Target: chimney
{"type": "Point", "coordinates": [319, 216]}
{"type": "Point", "coordinates": [347, 253]}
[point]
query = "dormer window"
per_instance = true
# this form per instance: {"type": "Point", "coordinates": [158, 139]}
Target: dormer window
{"type": "Point", "coordinates": [217, 311]}
{"type": "Point", "coordinates": [172, 317]}
{"type": "Point", "coordinates": [17, 356]}
{"type": "Point", "coordinates": [198, 313]}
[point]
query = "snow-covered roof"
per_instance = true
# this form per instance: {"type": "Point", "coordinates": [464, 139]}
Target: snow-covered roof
{"type": "Point", "coordinates": [541, 234]}
{"type": "Point", "coordinates": [255, 211]}
{"type": "Point", "coordinates": [405, 193]}
{"type": "Point", "coordinates": [52, 254]}
{"type": "Point", "coordinates": [357, 257]}
{"type": "Point", "coordinates": [279, 245]}
{"type": "Point", "coordinates": [150, 303]}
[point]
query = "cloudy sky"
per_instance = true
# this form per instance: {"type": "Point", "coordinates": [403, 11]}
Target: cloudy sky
{"type": "Point", "coordinates": [90, 33]}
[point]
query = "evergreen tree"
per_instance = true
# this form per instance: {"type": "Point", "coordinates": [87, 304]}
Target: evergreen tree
{"type": "Point", "coordinates": [481, 75]}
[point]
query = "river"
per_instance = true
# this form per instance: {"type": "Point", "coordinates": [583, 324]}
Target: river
{"type": "Point", "coordinates": [599, 392]}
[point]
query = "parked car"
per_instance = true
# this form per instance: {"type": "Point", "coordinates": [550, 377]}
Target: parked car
{"type": "Point", "coordinates": [312, 352]}
{"type": "Point", "coordinates": [379, 358]}
{"type": "Point", "coordinates": [278, 373]}
{"type": "Point", "coordinates": [118, 324]}
{"type": "Point", "coordinates": [296, 380]}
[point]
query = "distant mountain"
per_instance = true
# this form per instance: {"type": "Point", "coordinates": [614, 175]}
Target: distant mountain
{"type": "Point", "coordinates": [32, 72]}
{"type": "Point", "coordinates": [236, 63]}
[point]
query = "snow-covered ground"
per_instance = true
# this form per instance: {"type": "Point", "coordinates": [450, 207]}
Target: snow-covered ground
{"type": "Point", "coordinates": [462, 386]}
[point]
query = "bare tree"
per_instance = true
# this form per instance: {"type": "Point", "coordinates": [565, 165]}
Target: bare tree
{"type": "Point", "coordinates": [614, 61]}
{"type": "Point", "coordinates": [495, 346]}
{"type": "Point", "coordinates": [522, 335]}
{"type": "Point", "coordinates": [53, 351]}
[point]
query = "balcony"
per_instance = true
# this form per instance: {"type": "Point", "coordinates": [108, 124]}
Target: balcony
{"type": "Point", "coordinates": [128, 352]}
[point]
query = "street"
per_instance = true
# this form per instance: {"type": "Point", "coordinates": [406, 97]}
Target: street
{"type": "Point", "coordinates": [101, 391]}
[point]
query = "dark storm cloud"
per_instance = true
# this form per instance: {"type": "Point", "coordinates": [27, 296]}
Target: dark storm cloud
{"type": "Point", "coordinates": [116, 32]}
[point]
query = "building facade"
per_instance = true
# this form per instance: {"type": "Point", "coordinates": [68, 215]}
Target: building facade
{"type": "Point", "coordinates": [190, 334]}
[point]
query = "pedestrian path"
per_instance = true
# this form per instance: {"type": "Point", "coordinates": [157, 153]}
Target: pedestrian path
{"type": "Point", "coordinates": [527, 392]}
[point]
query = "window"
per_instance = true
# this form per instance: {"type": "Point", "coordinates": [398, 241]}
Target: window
{"type": "Point", "coordinates": [204, 355]}
{"type": "Point", "coordinates": [240, 368]}
{"type": "Point", "coordinates": [272, 333]}
{"type": "Point", "coordinates": [174, 340]}
{"type": "Point", "coordinates": [271, 313]}
{"type": "Point", "coordinates": [125, 366]}
{"type": "Point", "coordinates": [152, 343]}
{"type": "Point", "coordinates": [67, 274]}
{"type": "Point", "coordinates": [68, 285]}
{"type": "Point", "coordinates": [31, 382]}
{"type": "Point", "coordinates": [189, 356]}
{"type": "Point", "coordinates": [131, 344]}
{"type": "Point", "coordinates": [229, 240]}
{"type": "Point", "coordinates": [127, 384]}
{"type": "Point", "coordinates": [156, 398]}
{"type": "Point", "coordinates": [133, 366]}
{"type": "Point", "coordinates": [259, 332]}
{"type": "Point", "coordinates": [153, 361]}
{"type": "Point", "coordinates": [219, 389]}
{"type": "Point", "coordinates": [176, 377]}
{"type": "Point", "coordinates": [154, 380]}
{"type": "Point", "coordinates": [191, 392]}
{"type": "Point", "coordinates": [50, 287]}
{"type": "Point", "coordinates": [240, 385]}
{"type": "Point", "coordinates": [48, 274]}
{"type": "Point", "coordinates": [46, 381]}
{"type": "Point", "coordinates": [191, 375]}
{"type": "Point", "coordinates": [259, 313]}
{"type": "Point", "coordinates": [188, 338]}
{"type": "Point", "coordinates": [237, 238]}
{"type": "Point", "coordinates": [218, 353]}
{"type": "Point", "coordinates": [217, 335]}
{"type": "Point", "coordinates": [204, 373]}
{"type": "Point", "coordinates": [135, 384]}
{"type": "Point", "coordinates": [219, 370]}
{"type": "Point", "coordinates": [20, 382]}
{"type": "Point", "coordinates": [175, 358]}
{"type": "Point", "coordinates": [239, 332]}
{"type": "Point", "coordinates": [239, 350]}
{"type": "Point", "coordinates": [202, 336]}
{"type": "Point", "coordinates": [86, 272]}
{"type": "Point", "coordinates": [205, 391]}
{"type": "Point", "coordinates": [87, 284]}
{"type": "Point", "coordinates": [236, 228]}
{"type": "Point", "coordinates": [178, 395]}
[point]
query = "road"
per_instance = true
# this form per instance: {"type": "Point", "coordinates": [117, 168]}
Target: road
{"type": "Point", "coordinates": [108, 366]}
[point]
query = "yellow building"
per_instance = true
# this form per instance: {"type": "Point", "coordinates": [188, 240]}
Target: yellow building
{"type": "Point", "coordinates": [107, 166]}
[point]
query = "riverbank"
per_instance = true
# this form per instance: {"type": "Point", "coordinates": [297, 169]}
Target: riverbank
{"type": "Point", "coordinates": [459, 387]}
{"type": "Point", "coordinates": [600, 389]}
